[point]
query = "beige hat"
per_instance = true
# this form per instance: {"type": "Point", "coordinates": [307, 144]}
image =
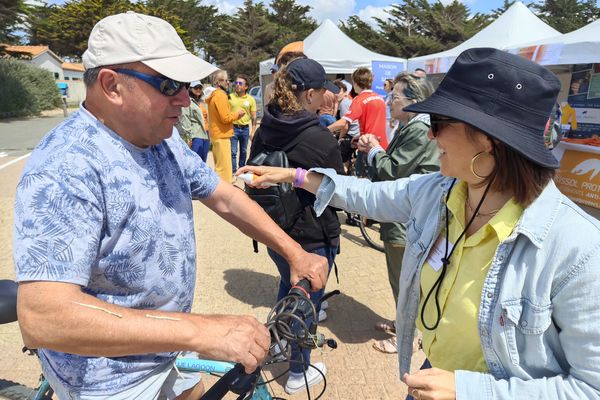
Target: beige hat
{"type": "Point", "coordinates": [131, 37]}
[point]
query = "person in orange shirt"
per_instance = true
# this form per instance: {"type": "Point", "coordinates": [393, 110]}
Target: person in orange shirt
{"type": "Point", "coordinates": [220, 118]}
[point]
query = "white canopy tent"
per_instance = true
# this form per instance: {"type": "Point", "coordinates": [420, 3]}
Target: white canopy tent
{"type": "Point", "coordinates": [578, 47]}
{"type": "Point", "coordinates": [335, 51]}
{"type": "Point", "coordinates": [517, 25]}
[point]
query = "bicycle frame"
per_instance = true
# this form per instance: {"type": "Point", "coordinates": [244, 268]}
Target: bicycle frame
{"type": "Point", "coordinates": [188, 365]}
{"type": "Point", "coordinates": [220, 367]}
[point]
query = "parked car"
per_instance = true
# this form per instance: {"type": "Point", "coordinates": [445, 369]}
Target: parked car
{"type": "Point", "coordinates": [256, 92]}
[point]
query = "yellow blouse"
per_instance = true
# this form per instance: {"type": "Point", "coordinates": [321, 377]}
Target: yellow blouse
{"type": "Point", "coordinates": [455, 343]}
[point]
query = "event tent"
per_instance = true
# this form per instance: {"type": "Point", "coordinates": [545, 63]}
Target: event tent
{"type": "Point", "coordinates": [578, 47]}
{"type": "Point", "coordinates": [517, 25]}
{"type": "Point", "coordinates": [335, 51]}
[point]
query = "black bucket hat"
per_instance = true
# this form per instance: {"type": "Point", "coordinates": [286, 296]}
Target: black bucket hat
{"type": "Point", "coordinates": [309, 74]}
{"type": "Point", "coordinates": [502, 94]}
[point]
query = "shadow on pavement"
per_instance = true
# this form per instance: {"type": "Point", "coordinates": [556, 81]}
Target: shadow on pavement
{"type": "Point", "coordinates": [349, 320]}
{"type": "Point", "coordinates": [253, 288]}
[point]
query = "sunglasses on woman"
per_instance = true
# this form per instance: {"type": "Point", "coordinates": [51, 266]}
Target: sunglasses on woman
{"type": "Point", "coordinates": [438, 123]}
{"type": "Point", "coordinates": [166, 86]}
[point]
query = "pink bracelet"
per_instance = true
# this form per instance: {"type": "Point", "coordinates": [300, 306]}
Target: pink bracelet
{"type": "Point", "coordinates": [299, 177]}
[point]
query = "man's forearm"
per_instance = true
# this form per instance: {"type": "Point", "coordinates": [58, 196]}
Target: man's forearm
{"type": "Point", "coordinates": [60, 317]}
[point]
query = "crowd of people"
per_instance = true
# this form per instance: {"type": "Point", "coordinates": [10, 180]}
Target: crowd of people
{"type": "Point", "coordinates": [485, 257]}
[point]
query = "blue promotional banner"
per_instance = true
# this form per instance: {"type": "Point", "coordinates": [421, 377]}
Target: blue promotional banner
{"type": "Point", "coordinates": [383, 70]}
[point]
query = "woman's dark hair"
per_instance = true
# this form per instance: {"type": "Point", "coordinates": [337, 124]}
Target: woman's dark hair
{"type": "Point", "coordinates": [193, 96]}
{"type": "Point", "coordinates": [514, 173]}
{"type": "Point", "coordinates": [340, 84]}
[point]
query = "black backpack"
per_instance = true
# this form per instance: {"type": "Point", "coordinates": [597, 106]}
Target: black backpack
{"type": "Point", "coordinates": [280, 202]}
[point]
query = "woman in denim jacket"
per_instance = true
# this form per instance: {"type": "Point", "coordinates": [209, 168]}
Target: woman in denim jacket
{"type": "Point", "coordinates": [501, 271]}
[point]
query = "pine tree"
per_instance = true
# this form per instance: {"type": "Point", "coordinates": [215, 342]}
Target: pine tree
{"type": "Point", "coordinates": [292, 21]}
{"type": "Point", "coordinates": [244, 40]}
{"type": "Point", "coordinates": [567, 15]}
{"type": "Point", "coordinates": [12, 14]}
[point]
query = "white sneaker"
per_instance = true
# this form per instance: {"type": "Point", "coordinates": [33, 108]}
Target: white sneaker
{"type": "Point", "coordinates": [322, 315]}
{"type": "Point", "coordinates": [296, 381]}
{"type": "Point", "coordinates": [324, 305]}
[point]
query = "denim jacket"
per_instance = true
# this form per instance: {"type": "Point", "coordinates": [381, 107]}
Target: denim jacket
{"type": "Point", "coordinates": [539, 314]}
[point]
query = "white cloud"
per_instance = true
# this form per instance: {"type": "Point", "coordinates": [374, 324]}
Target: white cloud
{"type": "Point", "coordinates": [320, 9]}
{"type": "Point", "coordinates": [224, 6]}
{"type": "Point", "coordinates": [367, 14]}
{"type": "Point", "coordinates": [328, 9]}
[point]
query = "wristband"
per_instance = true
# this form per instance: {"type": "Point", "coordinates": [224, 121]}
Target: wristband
{"type": "Point", "coordinates": [299, 177]}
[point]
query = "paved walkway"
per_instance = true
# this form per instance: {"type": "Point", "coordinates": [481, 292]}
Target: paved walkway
{"type": "Point", "coordinates": [233, 279]}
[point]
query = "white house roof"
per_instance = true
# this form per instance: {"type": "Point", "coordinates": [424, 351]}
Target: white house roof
{"type": "Point", "coordinates": [335, 51]}
{"type": "Point", "coordinates": [517, 25]}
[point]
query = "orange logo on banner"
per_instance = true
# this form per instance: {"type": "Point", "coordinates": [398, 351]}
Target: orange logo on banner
{"type": "Point", "coordinates": [579, 177]}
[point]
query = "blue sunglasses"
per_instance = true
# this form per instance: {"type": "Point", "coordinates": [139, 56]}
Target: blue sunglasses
{"type": "Point", "coordinates": [167, 86]}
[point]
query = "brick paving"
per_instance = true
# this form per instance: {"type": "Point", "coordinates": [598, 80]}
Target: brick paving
{"type": "Point", "coordinates": [233, 279]}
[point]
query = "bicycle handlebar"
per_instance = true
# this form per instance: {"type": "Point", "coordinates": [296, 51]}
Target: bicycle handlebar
{"type": "Point", "coordinates": [287, 320]}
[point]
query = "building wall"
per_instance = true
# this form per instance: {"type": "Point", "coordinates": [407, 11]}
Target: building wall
{"type": "Point", "coordinates": [70, 75]}
{"type": "Point", "coordinates": [46, 61]}
{"type": "Point", "coordinates": [76, 92]}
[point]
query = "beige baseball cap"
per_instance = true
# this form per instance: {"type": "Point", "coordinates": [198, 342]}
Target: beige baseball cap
{"type": "Point", "coordinates": [130, 37]}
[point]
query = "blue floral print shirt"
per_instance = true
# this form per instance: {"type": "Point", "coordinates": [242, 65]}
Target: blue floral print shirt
{"type": "Point", "coordinates": [96, 211]}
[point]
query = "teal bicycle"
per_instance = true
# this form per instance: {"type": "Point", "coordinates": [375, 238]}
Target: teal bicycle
{"type": "Point", "coordinates": [291, 321]}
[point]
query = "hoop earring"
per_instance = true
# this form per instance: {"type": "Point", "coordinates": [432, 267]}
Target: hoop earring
{"type": "Point", "coordinates": [473, 160]}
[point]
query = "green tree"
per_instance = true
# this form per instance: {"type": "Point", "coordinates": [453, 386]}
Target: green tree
{"type": "Point", "coordinates": [365, 35]}
{"type": "Point", "coordinates": [567, 15]}
{"type": "Point", "coordinates": [26, 89]}
{"type": "Point", "coordinates": [496, 12]}
{"type": "Point", "coordinates": [416, 27]}
{"type": "Point", "coordinates": [12, 13]}
{"type": "Point", "coordinates": [198, 21]}
{"type": "Point", "coordinates": [292, 21]}
{"type": "Point", "coordinates": [67, 27]}
{"type": "Point", "coordinates": [245, 40]}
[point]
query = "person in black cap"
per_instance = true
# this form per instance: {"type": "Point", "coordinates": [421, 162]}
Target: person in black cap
{"type": "Point", "coordinates": [501, 270]}
{"type": "Point", "coordinates": [298, 93]}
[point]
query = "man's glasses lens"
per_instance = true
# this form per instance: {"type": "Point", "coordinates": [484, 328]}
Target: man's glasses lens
{"type": "Point", "coordinates": [169, 87]}
{"type": "Point", "coordinates": [239, 83]}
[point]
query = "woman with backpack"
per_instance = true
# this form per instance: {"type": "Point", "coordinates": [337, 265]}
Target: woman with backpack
{"type": "Point", "coordinates": [297, 95]}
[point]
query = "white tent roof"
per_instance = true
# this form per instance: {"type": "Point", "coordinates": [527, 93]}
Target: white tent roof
{"type": "Point", "coordinates": [578, 47]}
{"type": "Point", "coordinates": [335, 51]}
{"type": "Point", "coordinates": [517, 25]}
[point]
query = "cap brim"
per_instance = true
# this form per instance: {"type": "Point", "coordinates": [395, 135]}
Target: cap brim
{"type": "Point", "coordinates": [331, 87]}
{"type": "Point", "coordinates": [515, 136]}
{"type": "Point", "coordinates": [184, 68]}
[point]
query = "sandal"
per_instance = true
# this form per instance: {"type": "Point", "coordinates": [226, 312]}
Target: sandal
{"type": "Point", "coordinates": [386, 326]}
{"type": "Point", "coordinates": [387, 346]}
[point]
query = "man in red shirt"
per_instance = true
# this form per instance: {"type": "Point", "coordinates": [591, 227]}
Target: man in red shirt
{"type": "Point", "coordinates": [368, 108]}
